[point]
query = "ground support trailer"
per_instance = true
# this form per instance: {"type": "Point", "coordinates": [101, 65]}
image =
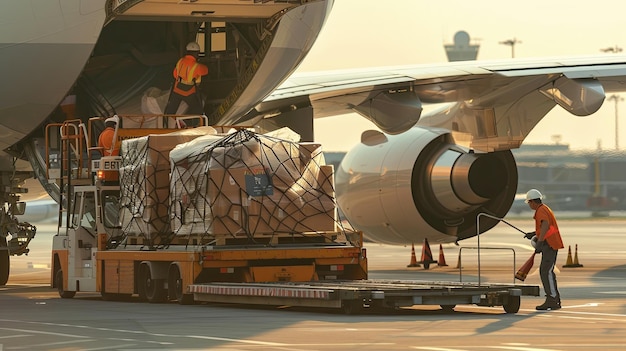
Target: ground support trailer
{"type": "Point", "coordinates": [357, 295]}
{"type": "Point", "coordinates": [274, 239]}
{"type": "Point", "coordinates": [159, 275]}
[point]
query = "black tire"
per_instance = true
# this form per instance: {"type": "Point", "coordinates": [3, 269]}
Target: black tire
{"type": "Point", "coordinates": [513, 304]}
{"type": "Point", "coordinates": [58, 281]}
{"type": "Point", "coordinates": [5, 265]}
{"type": "Point", "coordinates": [153, 288]}
{"type": "Point", "coordinates": [175, 287]}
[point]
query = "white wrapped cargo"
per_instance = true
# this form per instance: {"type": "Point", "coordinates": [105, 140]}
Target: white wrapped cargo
{"type": "Point", "coordinates": [144, 183]}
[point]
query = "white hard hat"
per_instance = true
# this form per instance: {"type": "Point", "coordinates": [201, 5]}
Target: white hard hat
{"type": "Point", "coordinates": [193, 46]}
{"type": "Point", "coordinates": [113, 119]}
{"type": "Point", "coordinates": [533, 194]}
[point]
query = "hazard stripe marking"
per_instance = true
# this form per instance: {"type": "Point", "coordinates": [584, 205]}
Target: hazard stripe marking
{"type": "Point", "coordinates": [260, 291]}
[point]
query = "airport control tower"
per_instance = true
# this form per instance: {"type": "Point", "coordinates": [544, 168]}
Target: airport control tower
{"type": "Point", "coordinates": [461, 50]}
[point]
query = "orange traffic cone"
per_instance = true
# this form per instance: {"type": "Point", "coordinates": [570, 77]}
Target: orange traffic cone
{"type": "Point", "coordinates": [413, 258]}
{"type": "Point", "coordinates": [523, 271]}
{"type": "Point", "coordinates": [576, 263]}
{"type": "Point", "coordinates": [427, 255]}
{"type": "Point", "coordinates": [442, 260]}
{"type": "Point", "coordinates": [569, 263]}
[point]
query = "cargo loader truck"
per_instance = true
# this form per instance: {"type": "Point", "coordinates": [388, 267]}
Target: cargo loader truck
{"type": "Point", "coordinates": [216, 214]}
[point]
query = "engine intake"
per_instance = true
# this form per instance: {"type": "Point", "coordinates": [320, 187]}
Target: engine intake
{"type": "Point", "coordinates": [400, 189]}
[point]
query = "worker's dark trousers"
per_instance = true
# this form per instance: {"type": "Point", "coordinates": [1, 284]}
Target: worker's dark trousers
{"type": "Point", "coordinates": [195, 107]}
{"type": "Point", "coordinates": [546, 271]}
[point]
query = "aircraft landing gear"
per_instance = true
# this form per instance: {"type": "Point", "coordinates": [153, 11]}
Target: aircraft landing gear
{"type": "Point", "coordinates": [14, 235]}
{"type": "Point", "coordinates": [5, 263]}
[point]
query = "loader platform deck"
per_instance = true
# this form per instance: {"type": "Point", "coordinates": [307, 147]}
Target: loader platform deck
{"type": "Point", "coordinates": [357, 295]}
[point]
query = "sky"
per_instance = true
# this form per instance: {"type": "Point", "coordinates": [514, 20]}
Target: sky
{"type": "Point", "coordinates": [370, 33]}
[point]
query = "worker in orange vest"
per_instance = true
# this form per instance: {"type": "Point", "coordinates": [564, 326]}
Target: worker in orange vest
{"type": "Point", "coordinates": [548, 242]}
{"type": "Point", "coordinates": [106, 139]}
{"type": "Point", "coordinates": [187, 75]}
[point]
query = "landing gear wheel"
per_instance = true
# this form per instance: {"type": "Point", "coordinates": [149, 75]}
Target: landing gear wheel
{"type": "Point", "coordinates": [58, 281]}
{"type": "Point", "coordinates": [512, 305]}
{"type": "Point", "coordinates": [5, 265]}
{"type": "Point", "coordinates": [175, 286]}
{"type": "Point", "coordinates": [153, 288]}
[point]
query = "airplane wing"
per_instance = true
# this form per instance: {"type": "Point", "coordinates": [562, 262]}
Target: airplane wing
{"type": "Point", "coordinates": [497, 102]}
{"type": "Point", "coordinates": [435, 172]}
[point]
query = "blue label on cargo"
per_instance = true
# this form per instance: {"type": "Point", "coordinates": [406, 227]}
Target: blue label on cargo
{"type": "Point", "coordinates": [258, 183]}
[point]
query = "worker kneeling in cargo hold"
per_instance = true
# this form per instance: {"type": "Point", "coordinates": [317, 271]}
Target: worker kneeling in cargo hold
{"type": "Point", "coordinates": [547, 242]}
{"type": "Point", "coordinates": [188, 73]}
{"type": "Point", "coordinates": [106, 140]}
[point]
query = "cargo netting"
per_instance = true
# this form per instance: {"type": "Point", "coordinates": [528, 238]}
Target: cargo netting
{"type": "Point", "coordinates": [239, 189]}
{"type": "Point", "coordinates": [145, 185]}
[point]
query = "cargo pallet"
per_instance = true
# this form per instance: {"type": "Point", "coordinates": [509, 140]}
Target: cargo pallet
{"type": "Point", "coordinates": [354, 296]}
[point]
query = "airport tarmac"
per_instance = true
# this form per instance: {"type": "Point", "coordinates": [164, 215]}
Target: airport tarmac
{"type": "Point", "coordinates": [593, 316]}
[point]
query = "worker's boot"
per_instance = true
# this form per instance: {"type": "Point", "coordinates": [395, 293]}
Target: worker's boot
{"type": "Point", "coordinates": [550, 304]}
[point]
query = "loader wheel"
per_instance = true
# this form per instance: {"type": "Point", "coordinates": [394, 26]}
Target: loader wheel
{"type": "Point", "coordinates": [5, 265]}
{"type": "Point", "coordinates": [153, 288]}
{"type": "Point", "coordinates": [175, 287]}
{"type": "Point", "coordinates": [512, 305]}
{"type": "Point", "coordinates": [58, 281]}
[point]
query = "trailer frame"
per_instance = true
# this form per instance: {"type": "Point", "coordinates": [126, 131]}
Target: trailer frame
{"type": "Point", "coordinates": [358, 295]}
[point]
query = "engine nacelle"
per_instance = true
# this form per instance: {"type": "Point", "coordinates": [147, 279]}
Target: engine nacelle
{"type": "Point", "coordinates": [400, 189]}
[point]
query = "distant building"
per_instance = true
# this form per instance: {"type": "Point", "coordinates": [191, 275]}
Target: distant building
{"type": "Point", "coordinates": [570, 180]}
{"type": "Point", "coordinates": [461, 50]}
{"type": "Point", "coordinates": [573, 180]}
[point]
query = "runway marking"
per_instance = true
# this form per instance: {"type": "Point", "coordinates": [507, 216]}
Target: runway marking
{"type": "Point", "coordinates": [518, 348]}
{"type": "Point", "coordinates": [49, 344]}
{"type": "Point", "coordinates": [202, 337]}
{"type": "Point", "coordinates": [14, 336]}
{"type": "Point", "coordinates": [346, 344]}
{"type": "Point", "coordinates": [593, 319]}
{"type": "Point", "coordinates": [590, 313]}
{"type": "Point", "coordinates": [593, 304]}
{"type": "Point", "coordinates": [145, 341]}
{"type": "Point", "coordinates": [116, 347]}
{"type": "Point", "coordinates": [43, 332]}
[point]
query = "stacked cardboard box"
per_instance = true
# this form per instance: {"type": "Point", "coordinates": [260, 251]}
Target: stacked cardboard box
{"type": "Point", "coordinates": [257, 186]}
{"type": "Point", "coordinates": [144, 182]}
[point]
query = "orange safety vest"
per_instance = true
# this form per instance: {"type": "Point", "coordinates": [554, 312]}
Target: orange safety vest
{"type": "Point", "coordinates": [106, 141]}
{"type": "Point", "coordinates": [553, 236]}
{"type": "Point", "coordinates": [188, 72]}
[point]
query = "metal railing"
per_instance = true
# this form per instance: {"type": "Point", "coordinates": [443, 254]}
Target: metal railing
{"type": "Point", "coordinates": [478, 248]}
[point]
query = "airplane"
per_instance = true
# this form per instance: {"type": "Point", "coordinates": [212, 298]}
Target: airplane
{"type": "Point", "coordinates": [423, 175]}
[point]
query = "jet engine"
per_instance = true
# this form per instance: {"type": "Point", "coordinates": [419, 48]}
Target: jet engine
{"type": "Point", "coordinates": [401, 189]}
